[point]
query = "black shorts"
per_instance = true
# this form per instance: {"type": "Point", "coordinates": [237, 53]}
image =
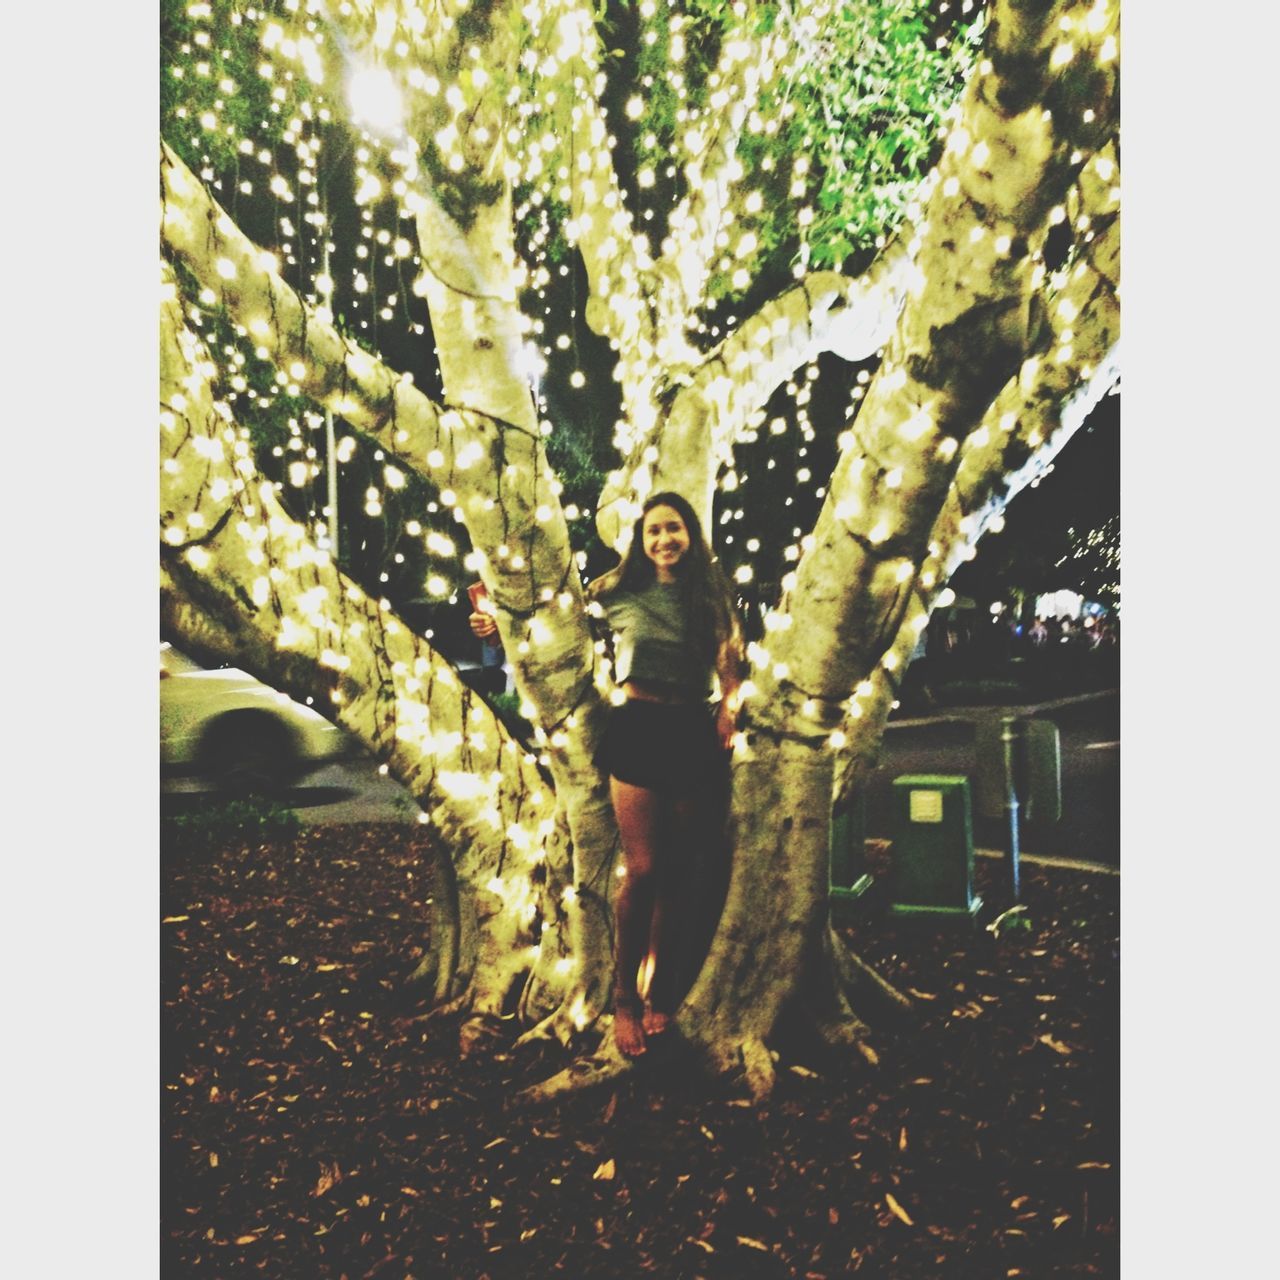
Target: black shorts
{"type": "Point", "coordinates": [662, 747]}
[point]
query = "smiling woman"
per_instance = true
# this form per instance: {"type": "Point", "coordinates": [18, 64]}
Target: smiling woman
{"type": "Point", "coordinates": [671, 615]}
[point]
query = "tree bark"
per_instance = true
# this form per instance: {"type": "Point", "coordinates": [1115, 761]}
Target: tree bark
{"type": "Point", "coordinates": [955, 345]}
{"type": "Point", "coordinates": [986, 372]}
{"type": "Point", "coordinates": [239, 575]}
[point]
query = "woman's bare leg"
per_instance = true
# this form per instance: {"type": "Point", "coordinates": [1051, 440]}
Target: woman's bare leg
{"type": "Point", "coordinates": [639, 813]}
{"type": "Point", "coordinates": [669, 919]}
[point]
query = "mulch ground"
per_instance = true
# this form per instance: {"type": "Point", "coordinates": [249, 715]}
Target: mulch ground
{"type": "Point", "coordinates": [313, 1128]}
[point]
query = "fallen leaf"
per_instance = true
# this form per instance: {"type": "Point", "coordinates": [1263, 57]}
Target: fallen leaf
{"type": "Point", "coordinates": [702, 1244]}
{"type": "Point", "coordinates": [902, 1139]}
{"type": "Point", "coordinates": [921, 995]}
{"type": "Point", "coordinates": [833, 1217]}
{"type": "Point", "coordinates": [329, 1176]}
{"type": "Point", "coordinates": [1056, 1045]}
{"type": "Point", "coordinates": [753, 1244]}
{"type": "Point", "coordinates": [494, 1143]}
{"type": "Point", "coordinates": [605, 1171]}
{"type": "Point", "coordinates": [174, 919]}
{"type": "Point", "coordinates": [804, 1072]}
{"type": "Point", "coordinates": [326, 968]}
{"type": "Point", "coordinates": [246, 1239]}
{"type": "Point", "coordinates": [610, 1108]}
{"type": "Point", "coordinates": [706, 1133]}
{"type": "Point", "coordinates": [213, 1159]}
{"type": "Point", "coordinates": [1094, 1164]}
{"type": "Point", "coordinates": [898, 1210]}
{"type": "Point", "coordinates": [1060, 1219]}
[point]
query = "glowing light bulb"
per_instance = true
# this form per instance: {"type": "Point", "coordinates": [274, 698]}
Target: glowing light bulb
{"type": "Point", "coordinates": [375, 100]}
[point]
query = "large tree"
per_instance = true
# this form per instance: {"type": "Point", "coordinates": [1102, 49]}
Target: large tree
{"type": "Point", "coordinates": [872, 185]}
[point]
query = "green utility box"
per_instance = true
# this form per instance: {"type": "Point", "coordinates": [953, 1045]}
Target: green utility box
{"type": "Point", "coordinates": [849, 876]}
{"type": "Point", "coordinates": [932, 866]}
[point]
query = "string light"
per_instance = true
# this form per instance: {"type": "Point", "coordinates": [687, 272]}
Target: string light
{"type": "Point", "coordinates": [554, 143]}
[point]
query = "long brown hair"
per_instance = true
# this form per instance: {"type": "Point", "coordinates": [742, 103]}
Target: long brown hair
{"type": "Point", "coordinates": [704, 589]}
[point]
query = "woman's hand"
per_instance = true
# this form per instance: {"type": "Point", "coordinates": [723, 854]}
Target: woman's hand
{"type": "Point", "coordinates": [726, 724]}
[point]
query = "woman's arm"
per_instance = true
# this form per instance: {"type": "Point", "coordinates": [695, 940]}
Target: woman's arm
{"type": "Point", "coordinates": [729, 671]}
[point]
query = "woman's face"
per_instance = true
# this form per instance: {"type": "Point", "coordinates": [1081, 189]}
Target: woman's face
{"type": "Point", "coordinates": [665, 538]}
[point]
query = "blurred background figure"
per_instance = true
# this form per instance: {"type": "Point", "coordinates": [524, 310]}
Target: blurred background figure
{"type": "Point", "coordinates": [492, 677]}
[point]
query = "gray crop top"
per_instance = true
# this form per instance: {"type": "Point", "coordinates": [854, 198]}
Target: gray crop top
{"type": "Point", "coordinates": [652, 639]}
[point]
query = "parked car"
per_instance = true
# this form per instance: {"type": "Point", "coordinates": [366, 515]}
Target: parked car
{"type": "Point", "coordinates": [239, 731]}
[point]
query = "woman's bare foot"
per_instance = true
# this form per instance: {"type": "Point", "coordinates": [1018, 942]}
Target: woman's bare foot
{"type": "Point", "coordinates": [628, 1028]}
{"type": "Point", "coordinates": [655, 1022]}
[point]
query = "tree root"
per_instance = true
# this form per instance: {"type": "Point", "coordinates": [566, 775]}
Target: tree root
{"type": "Point", "coordinates": [445, 930]}
{"type": "Point", "coordinates": [485, 1023]}
{"type": "Point", "coordinates": [758, 1071]}
{"type": "Point", "coordinates": [748, 1063]}
{"type": "Point", "coordinates": [436, 970]}
{"type": "Point", "coordinates": [561, 1025]}
{"type": "Point", "coordinates": [848, 1032]}
{"type": "Point", "coordinates": [458, 1004]}
{"type": "Point", "coordinates": [478, 1029]}
{"type": "Point", "coordinates": [606, 1064]}
{"type": "Point", "coordinates": [481, 1026]}
{"type": "Point", "coordinates": [859, 979]}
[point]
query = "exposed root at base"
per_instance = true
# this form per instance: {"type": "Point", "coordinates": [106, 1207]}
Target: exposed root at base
{"type": "Point", "coordinates": [758, 1070]}
{"type": "Point", "coordinates": [748, 1063]}
{"type": "Point", "coordinates": [561, 1026]}
{"type": "Point", "coordinates": [604, 1065]}
{"type": "Point", "coordinates": [859, 979]}
{"type": "Point", "coordinates": [476, 1030]}
{"type": "Point", "coordinates": [436, 971]}
{"type": "Point", "coordinates": [448, 1009]}
{"type": "Point", "coordinates": [848, 1032]}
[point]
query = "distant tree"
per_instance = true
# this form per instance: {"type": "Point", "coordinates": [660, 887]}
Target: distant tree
{"type": "Point", "coordinates": [728, 196]}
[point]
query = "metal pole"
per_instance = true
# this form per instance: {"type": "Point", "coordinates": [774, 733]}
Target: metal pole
{"type": "Point", "coordinates": [331, 466]}
{"type": "Point", "coordinates": [1009, 737]}
{"type": "Point", "coordinates": [330, 440]}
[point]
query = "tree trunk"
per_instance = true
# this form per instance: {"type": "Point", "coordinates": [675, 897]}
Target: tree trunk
{"type": "Point", "coordinates": [240, 576]}
{"type": "Point", "coordinates": [988, 369]}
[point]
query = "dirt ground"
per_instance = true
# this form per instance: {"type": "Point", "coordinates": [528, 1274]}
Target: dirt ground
{"type": "Point", "coordinates": [314, 1127]}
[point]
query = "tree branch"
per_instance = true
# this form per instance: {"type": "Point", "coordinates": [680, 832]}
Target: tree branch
{"type": "Point", "coordinates": [600, 226]}
{"type": "Point", "coordinates": [825, 311]}
{"type": "Point", "coordinates": [1074, 364]}
{"type": "Point", "coordinates": [266, 595]}
{"type": "Point", "coordinates": [527, 562]}
{"type": "Point", "coordinates": [678, 279]}
{"type": "Point", "coordinates": [955, 346]}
